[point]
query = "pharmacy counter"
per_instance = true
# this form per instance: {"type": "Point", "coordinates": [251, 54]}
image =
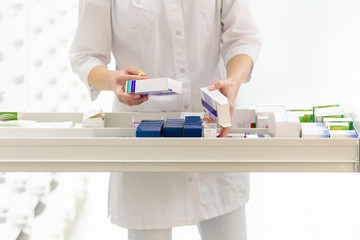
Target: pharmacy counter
{"type": "Point", "coordinates": [114, 149]}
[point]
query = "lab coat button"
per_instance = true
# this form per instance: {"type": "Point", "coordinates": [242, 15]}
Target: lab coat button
{"type": "Point", "coordinates": [178, 33]}
{"type": "Point", "coordinates": [182, 70]}
{"type": "Point", "coordinates": [186, 107]}
{"type": "Point", "coordinates": [190, 179]}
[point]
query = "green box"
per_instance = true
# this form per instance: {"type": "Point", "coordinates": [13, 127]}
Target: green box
{"type": "Point", "coordinates": [8, 116]}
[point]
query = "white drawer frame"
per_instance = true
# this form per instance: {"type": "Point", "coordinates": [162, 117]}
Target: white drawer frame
{"type": "Point", "coordinates": [82, 150]}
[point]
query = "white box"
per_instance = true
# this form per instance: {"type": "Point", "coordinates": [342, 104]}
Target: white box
{"type": "Point", "coordinates": [94, 119]}
{"type": "Point", "coordinates": [349, 121]}
{"type": "Point", "coordinates": [244, 117]}
{"type": "Point", "coordinates": [343, 134]}
{"type": "Point", "coordinates": [262, 121]}
{"type": "Point", "coordinates": [284, 124]}
{"type": "Point", "coordinates": [314, 130]}
{"type": "Point", "coordinates": [93, 123]}
{"type": "Point", "coordinates": [210, 130]}
{"type": "Point", "coordinates": [154, 86]}
{"type": "Point", "coordinates": [217, 106]}
{"type": "Point", "coordinates": [321, 113]}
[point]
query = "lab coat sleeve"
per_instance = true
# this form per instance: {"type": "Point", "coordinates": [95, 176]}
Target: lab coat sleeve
{"type": "Point", "coordinates": [91, 46]}
{"type": "Point", "coordinates": [240, 35]}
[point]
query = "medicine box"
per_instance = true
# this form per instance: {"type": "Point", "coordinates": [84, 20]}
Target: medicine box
{"type": "Point", "coordinates": [8, 116]}
{"type": "Point", "coordinates": [192, 126]}
{"type": "Point", "coordinates": [343, 134]}
{"type": "Point", "coordinates": [327, 112]}
{"type": "Point", "coordinates": [150, 128]}
{"type": "Point", "coordinates": [173, 128]}
{"type": "Point", "coordinates": [94, 119]}
{"type": "Point", "coordinates": [217, 106]}
{"type": "Point", "coordinates": [284, 124]}
{"type": "Point", "coordinates": [262, 121]}
{"type": "Point", "coordinates": [304, 114]}
{"type": "Point", "coordinates": [154, 86]}
{"type": "Point", "coordinates": [210, 130]}
{"type": "Point", "coordinates": [314, 130]}
{"type": "Point", "coordinates": [244, 117]}
{"type": "Point", "coordinates": [335, 122]}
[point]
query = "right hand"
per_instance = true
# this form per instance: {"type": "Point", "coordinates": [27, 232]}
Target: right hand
{"type": "Point", "coordinates": [119, 79]}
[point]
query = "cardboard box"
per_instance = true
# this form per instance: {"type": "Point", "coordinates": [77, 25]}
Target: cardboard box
{"type": "Point", "coordinates": [217, 106]}
{"type": "Point", "coordinates": [244, 117]}
{"type": "Point", "coordinates": [210, 130]}
{"type": "Point", "coordinates": [262, 122]}
{"type": "Point", "coordinates": [94, 119]}
{"type": "Point", "coordinates": [349, 121]}
{"type": "Point", "coordinates": [284, 124]}
{"type": "Point", "coordinates": [328, 112]}
{"type": "Point", "coordinates": [343, 134]}
{"type": "Point", "coordinates": [314, 130]}
{"type": "Point", "coordinates": [154, 86]}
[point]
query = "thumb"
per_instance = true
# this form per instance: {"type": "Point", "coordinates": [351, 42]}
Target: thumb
{"type": "Point", "coordinates": [216, 85]}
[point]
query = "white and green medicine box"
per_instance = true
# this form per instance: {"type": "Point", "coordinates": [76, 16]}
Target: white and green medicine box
{"type": "Point", "coordinates": [304, 115]}
{"type": "Point", "coordinates": [339, 123]}
{"type": "Point", "coordinates": [329, 112]}
{"type": "Point", "coordinates": [8, 116]}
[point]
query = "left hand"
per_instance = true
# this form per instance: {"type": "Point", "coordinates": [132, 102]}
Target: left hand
{"type": "Point", "coordinates": [229, 88]}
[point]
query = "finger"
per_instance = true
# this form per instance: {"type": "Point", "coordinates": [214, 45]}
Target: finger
{"type": "Point", "coordinates": [208, 119]}
{"type": "Point", "coordinates": [127, 97]}
{"type": "Point", "coordinates": [216, 85]}
{"type": "Point", "coordinates": [137, 101]}
{"type": "Point", "coordinates": [124, 78]}
{"type": "Point", "coordinates": [133, 70]}
{"type": "Point", "coordinates": [224, 132]}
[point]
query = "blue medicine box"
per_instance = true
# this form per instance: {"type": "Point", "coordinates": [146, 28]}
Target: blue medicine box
{"type": "Point", "coordinates": [189, 119]}
{"type": "Point", "coordinates": [150, 128]}
{"type": "Point", "coordinates": [192, 126]}
{"type": "Point", "coordinates": [173, 128]}
{"type": "Point", "coordinates": [192, 130]}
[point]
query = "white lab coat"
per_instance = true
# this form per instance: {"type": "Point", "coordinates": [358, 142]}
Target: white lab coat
{"type": "Point", "coordinates": [188, 40]}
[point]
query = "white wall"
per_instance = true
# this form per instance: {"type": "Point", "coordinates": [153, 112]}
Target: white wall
{"type": "Point", "coordinates": [311, 51]}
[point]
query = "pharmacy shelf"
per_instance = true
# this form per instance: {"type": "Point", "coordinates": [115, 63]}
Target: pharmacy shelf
{"type": "Point", "coordinates": [92, 150]}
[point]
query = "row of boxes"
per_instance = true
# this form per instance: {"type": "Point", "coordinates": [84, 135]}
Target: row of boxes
{"type": "Point", "coordinates": [190, 127]}
{"type": "Point", "coordinates": [318, 121]}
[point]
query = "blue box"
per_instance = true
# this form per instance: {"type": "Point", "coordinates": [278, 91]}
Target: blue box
{"type": "Point", "coordinates": [150, 128]}
{"type": "Point", "coordinates": [189, 119]}
{"type": "Point", "coordinates": [191, 130]}
{"type": "Point", "coordinates": [173, 128]}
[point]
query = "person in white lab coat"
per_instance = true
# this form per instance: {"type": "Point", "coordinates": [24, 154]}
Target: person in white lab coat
{"type": "Point", "coordinates": [200, 42]}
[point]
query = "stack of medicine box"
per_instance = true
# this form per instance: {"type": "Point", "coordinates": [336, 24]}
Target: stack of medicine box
{"type": "Point", "coordinates": [192, 126]}
{"type": "Point", "coordinates": [150, 128]}
{"type": "Point", "coordinates": [327, 111]}
{"type": "Point", "coordinates": [334, 119]}
{"type": "Point", "coordinates": [173, 128]}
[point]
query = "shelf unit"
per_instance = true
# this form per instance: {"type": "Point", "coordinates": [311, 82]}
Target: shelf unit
{"type": "Point", "coordinates": [114, 149]}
